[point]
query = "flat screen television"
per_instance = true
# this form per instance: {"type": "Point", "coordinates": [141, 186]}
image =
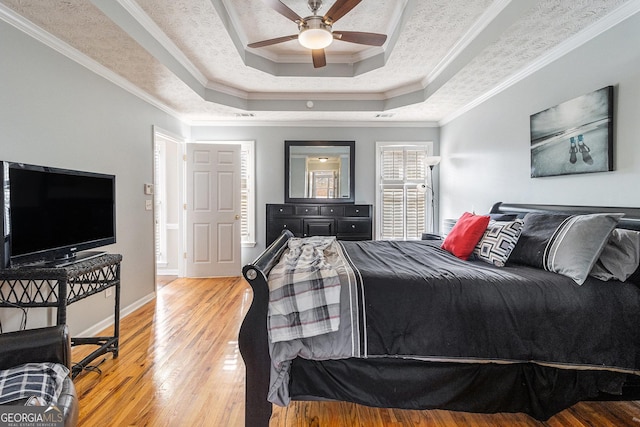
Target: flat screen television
{"type": "Point", "coordinates": [50, 215]}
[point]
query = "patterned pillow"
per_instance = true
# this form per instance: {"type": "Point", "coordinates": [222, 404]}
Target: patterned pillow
{"type": "Point", "coordinates": [498, 241]}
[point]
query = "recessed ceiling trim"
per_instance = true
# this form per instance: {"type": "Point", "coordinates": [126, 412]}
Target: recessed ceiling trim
{"type": "Point", "coordinates": [314, 123]}
{"type": "Point", "coordinates": [133, 20]}
{"type": "Point", "coordinates": [328, 96]}
{"type": "Point", "coordinates": [318, 105]}
{"type": "Point", "coordinates": [292, 69]}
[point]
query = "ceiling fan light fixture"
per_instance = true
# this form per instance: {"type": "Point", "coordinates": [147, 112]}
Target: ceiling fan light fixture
{"type": "Point", "coordinates": [315, 38]}
{"type": "Point", "coordinates": [315, 34]}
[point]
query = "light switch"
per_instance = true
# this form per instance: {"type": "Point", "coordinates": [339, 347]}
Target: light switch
{"type": "Point", "coordinates": [148, 204]}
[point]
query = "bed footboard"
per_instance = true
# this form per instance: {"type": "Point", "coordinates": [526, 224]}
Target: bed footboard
{"type": "Point", "coordinates": [253, 338]}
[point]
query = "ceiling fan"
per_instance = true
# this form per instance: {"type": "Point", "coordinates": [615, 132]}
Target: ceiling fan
{"type": "Point", "coordinates": [315, 32]}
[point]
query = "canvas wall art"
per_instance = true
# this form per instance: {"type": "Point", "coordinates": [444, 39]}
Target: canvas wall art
{"type": "Point", "coordinates": [574, 137]}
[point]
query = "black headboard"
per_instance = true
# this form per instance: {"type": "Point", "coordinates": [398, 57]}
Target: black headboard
{"type": "Point", "coordinates": [630, 221]}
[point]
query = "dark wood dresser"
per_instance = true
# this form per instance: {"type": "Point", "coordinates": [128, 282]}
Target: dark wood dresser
{"type": "Point", "coordinates": [346, 222]}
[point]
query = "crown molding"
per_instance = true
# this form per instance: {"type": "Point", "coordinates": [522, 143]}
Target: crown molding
{"type": "Point", "coordinates": [314, 123]}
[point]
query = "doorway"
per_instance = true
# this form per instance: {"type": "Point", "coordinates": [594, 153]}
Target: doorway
{"type": "Point", "coordinates": [168, 173]}
{"type": "Point", "coordinates": [171, 208]}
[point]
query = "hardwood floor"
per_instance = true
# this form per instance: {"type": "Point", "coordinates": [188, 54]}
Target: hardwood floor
{"type": "Point", "coordinates": [179, 365]}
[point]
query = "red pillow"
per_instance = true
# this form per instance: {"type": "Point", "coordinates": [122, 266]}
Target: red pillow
{"type": "Point", "coordinates": [465, 235]}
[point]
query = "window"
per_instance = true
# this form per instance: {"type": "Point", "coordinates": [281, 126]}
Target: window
{"type": "Point", "coordinates": [402, 200]}
{"type": "Point", "coordinates": [247, 188]}
{"type": "Point", "coordinates": [160, 196]}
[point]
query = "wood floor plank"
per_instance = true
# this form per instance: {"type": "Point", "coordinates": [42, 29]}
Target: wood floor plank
{"type": "Point", "coordinates": [179, 365]}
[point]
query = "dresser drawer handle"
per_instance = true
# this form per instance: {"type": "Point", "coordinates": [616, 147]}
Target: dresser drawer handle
{"type": "Point", "coordinates": [357, 210]}
{"type": "Point", "coordinates": [353, 226]}
{"type": "Point", "coordinates": [284, 225]}
{"type": "Point", "coordinates": [281, 210]}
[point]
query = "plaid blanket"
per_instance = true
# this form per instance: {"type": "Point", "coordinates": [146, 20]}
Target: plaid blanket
{"type": "Point", "coordinates": [304, 291]}
{"type": "Point", "coordinates": [43, 380]}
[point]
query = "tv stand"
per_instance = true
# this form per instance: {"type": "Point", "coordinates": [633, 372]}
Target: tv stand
{"type": "Point", "coordinates": [46, 286]}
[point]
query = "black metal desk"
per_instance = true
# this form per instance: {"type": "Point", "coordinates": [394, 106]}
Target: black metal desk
{"type": "Point", "coordinates": [27, 287]}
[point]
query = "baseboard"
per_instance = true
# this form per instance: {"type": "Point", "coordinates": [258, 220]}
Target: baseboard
{"type": "Point", "coordinates": [168, 272]}
{"type": "Point", "coordinates": [124, 312]}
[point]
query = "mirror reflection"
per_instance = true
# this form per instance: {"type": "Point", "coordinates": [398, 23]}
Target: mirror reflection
{"type": "Point", "coordinates": [319, 171]}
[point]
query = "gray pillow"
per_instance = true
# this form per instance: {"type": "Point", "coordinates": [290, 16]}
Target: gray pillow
{"type": "Point", "coordinates": [620, 256]}
{"type": "Point", "coordinates": [577, 244]}
{"type": "Point", "coordinates": [564, 244]}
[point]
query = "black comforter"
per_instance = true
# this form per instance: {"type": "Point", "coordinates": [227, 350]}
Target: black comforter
{"type": "Point", "coordinates": [419, 301]}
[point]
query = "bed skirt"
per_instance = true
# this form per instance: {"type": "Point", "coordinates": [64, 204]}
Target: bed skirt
{"type": "Point", "coordinates": [536, 390]}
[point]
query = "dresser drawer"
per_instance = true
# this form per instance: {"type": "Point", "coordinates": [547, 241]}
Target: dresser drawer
{"type": "Point", "coordinates": [276, 225]}
{"type": "Point", "coordinates": [307, 210]}
{"type": "Point", "coordinates": [354, 226]}
{"type": "Point", "coordinates": [332, 210]}
{"type": "Point", "coordinates": [280, 210]}
{"type": "Point", "coordinates": [357, 210]}
{"type": "Point", "coordinates": [319, 227]}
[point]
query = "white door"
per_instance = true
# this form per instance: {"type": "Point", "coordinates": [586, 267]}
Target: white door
{"type": "Point", "coordinates": [213, 210]}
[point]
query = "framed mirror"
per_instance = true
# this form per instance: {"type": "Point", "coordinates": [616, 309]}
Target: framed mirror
{"type": "Point", "coordinates": [319, 171]}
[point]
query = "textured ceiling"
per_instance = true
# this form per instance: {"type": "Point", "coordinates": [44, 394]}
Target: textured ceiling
{"type": "Point", "coordinates": [190, 58]}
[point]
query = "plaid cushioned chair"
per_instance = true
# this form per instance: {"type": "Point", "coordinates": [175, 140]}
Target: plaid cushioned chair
{"type": "Point", "coordinates": [50, 344]}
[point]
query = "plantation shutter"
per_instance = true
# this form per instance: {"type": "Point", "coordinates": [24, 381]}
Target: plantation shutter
{"type": "Point", "coordinates": [244, 195]}
{"type": "Point", "coordinates": [403, 207]}
{"type": "Point", "coordinates": [160, 220]}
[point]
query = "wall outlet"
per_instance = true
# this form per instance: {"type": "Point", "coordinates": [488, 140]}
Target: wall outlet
{"type": "Point", "coordinates": [148, 204]}
{"type": "Point", "coordinates": [108, 292]}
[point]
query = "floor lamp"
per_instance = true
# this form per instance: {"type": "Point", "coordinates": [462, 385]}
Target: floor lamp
{"type": "Point", "coordinates": [431, 161]}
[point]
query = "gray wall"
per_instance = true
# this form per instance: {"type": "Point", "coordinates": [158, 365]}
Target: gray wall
{"type": "Point", "coordinates": [270, 159]}
{"type": "Point", "coordinates": [55, 112]}
{"type": "Point", "coordinates": [486, 152]}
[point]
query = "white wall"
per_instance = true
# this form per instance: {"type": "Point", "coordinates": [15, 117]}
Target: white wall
{"type": "Point", "coordinates": [55, 112]}
{"type": "Point", "coordinates": [486, 151]}
{"type": "Point", "coordinates": [270, 159]}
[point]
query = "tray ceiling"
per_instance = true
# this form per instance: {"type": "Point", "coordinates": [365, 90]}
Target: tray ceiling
{"type": "Point", "coordinates": [189, 57]}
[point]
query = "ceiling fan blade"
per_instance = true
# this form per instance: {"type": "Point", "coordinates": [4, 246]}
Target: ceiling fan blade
{"type": "Point", "coordinates": [283, 10]}
{"type": "Point", "coordinates": [339, 9]}
{"type": "Point", "coordinates": [319, 58]}
{"type": "Point", "coordinates": [269, 42]}
{"type": "Point", "coordinates": [371, 39]}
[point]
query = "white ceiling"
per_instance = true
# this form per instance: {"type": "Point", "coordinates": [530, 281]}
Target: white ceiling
{"type": "Point", "coordinates": [189, 57]}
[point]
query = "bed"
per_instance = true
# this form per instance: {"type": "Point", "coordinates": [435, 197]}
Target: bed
{"type": "Point", "coordinates": [421, 328]}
